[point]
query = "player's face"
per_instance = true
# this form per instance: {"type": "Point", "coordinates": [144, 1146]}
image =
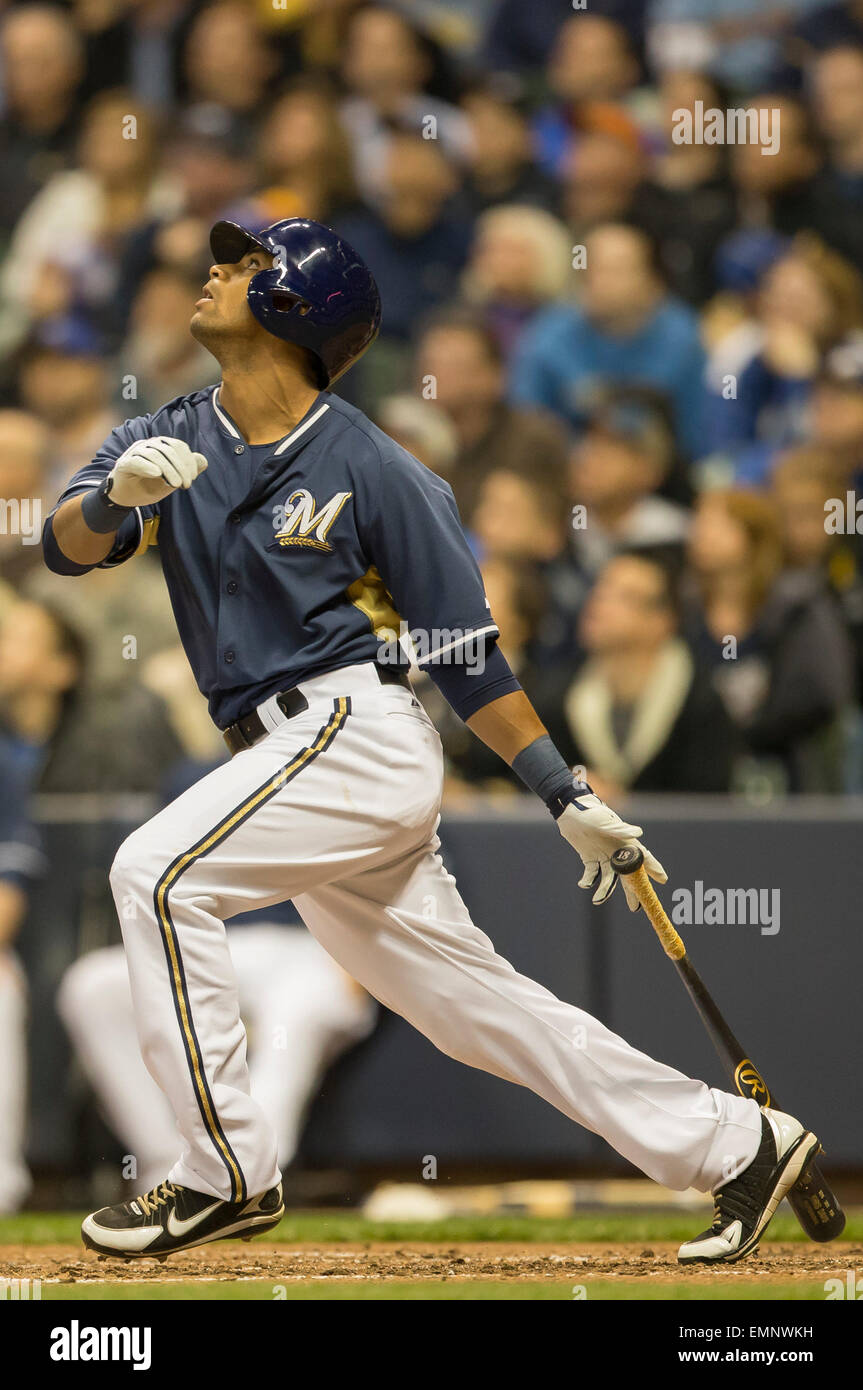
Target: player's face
{"type": "Point", "coordinates": [223, 310]}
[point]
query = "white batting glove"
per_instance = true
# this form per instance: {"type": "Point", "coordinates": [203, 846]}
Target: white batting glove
{"type": "Point", "coordinates": [153, 468]}
{"type": "Point", "coordinates": [595, 832]}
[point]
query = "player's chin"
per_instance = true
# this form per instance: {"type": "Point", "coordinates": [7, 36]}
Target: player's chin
{"type": "Point", "coordinates": [204, 324]}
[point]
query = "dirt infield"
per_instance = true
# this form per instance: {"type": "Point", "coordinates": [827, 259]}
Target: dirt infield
{"type": "Point", "coordinates": [420, 1260]}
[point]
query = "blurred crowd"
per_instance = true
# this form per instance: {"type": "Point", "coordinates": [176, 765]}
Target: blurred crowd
{"type": "Point", "coordinates": [638, 362]}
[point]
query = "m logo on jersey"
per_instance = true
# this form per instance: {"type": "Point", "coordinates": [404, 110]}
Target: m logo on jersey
{"type": "Point", "coordinates": [299, 522]}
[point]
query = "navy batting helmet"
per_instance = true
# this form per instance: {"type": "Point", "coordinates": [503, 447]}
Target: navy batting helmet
{"type": "Point", "coordinates": [318, 293]}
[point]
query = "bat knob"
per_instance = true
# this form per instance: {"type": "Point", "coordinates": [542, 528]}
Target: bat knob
{"type": "Point", "coordinates": [627, 860]}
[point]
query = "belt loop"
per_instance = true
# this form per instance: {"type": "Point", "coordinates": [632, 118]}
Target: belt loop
{"type": "Point", "coordinates": [271, 713]}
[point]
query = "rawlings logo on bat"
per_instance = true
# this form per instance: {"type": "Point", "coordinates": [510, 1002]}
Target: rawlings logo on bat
{"type": "Point", "coordinates": [748, 1080]}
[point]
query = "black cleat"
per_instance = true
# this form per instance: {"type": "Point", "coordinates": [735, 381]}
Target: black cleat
{"type": "Point", "coordinates": [744, 1207]}
{"type": "Point", "coordinates": [173, 1218]}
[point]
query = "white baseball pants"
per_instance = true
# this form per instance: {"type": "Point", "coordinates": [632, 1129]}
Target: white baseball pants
{"type": "Point", "coordinates": [337, 808]}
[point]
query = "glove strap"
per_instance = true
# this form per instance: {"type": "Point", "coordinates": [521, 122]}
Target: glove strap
{"type": "Point", "coordinates": [100, 514]}
{"type": "Point", "coordinates": [569, 797]}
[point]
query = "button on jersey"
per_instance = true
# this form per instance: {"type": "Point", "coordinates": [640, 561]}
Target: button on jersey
{"type": "Point", "coordinates": [288, 560]}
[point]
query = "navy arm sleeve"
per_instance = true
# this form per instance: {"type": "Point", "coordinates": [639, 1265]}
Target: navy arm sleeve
{"type": "Point", "coordinates": [419, 549]}
{"type": "Point", "coordinates": [134, 530]}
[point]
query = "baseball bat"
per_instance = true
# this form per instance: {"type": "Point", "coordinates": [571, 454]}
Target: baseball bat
{"type": "Point", "coordinates": [812, 1199]}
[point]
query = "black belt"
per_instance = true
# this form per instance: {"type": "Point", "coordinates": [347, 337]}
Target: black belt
{"type": "Point", "coordinates": [251, 727]}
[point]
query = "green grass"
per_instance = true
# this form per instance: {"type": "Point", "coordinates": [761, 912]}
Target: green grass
{"type": "Point", "coordinates": [48, 1228]}
{"type": "Point", "coordinates": [353, 1290]}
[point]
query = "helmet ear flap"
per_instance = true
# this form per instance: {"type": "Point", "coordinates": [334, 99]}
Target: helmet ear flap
{"type": "Point", "coordinates": [283, 301]}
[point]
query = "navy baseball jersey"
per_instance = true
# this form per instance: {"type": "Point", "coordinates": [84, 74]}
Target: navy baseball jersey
{"type": "Point", "coordinates": [290, 559]}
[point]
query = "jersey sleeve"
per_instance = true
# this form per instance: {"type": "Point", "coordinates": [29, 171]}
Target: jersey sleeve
{"type": "Point", "coordinates": [418, 547]}
{"type": "Point", "coordinates": [135, 531]}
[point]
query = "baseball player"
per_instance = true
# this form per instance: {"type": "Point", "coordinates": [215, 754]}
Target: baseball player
{"type": "Point", "coordinates": [295, 537]}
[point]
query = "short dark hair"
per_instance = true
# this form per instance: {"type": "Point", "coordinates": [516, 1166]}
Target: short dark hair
{"type": "Point", "coordinates": [668, 563]}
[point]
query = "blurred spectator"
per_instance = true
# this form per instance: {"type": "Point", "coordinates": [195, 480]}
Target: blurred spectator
{"type": "Point", "coordinates": [65, 251]}
{"type": "Point", "coordinates": [801, 483]}
{"type": "Point", "coordinates": [641, 715]}
{"type": "Point", "coordinates": [521, 516]}
{"type": "Point", "coordinates": [21, 862]}
{"type": "Point", "coordinates": [806, 484]}
{"type": "Point", "coordinates": [836, 428]}
{"type": "Point", "coordinates": [836, 419]}
{"type": "Point", "coordinates": [600, 181]}
{"type": "Point", "coordinates": [166, 672]}
{"type": "Point", "coordinates": [778, 190]}
{"type": "Point", "coordinates": [42, 64]}
{"type": "Point", "coordinates": [304, 147]}
{"type": "Point", "coordinates": [737, 42]}
{"type": "Point", "coordinates": [67, 741]}
{"type": "Point", "coordinates": [41, 666]}
{"type": "Point", "coordinates": [24, 458]}
{"type": "Point", "coordinates": [776, 643]}
{"type": "Point", "coordinates": [761, 374]}
{"type": "Point", "coordinates": [837, 94]}
{"type": "Point", "coordinates": [125, 620]}
{"type": "Point", "coordinates": [592, 63]}
{"type": "Point", "coordinates": [520, 262]}
{"type": "Point", "coordinates": [137, 43]}
{"type": "Point", "coordinates": [416, 246]}
{"type": "Point", "coordinates": [385, 68]}
{"type": "Point", "coordinates": [520, 37]}
{"type": "Point", "coordinates": [501, 163]}
{"type": "Point", "coordinates": [160, 358]}
{"type": "Point", "coordinates": [228, 59]}
{"type": "Point", "coordinates": [424, 429]}
{"type": "Point", "coordinates": [687, 203]}
{"type": "Point", "coordinates": [616, 468]}
{"type": "Point", "coordinates": [459, 365]}
{"type": "Point", "coordinates": [626, 329]}
{"type": "Point", "coordinates": [65, 383]}
{"type": "Point", "coordinates": [521, 522]}
{"type": "Point", "coordinates": [743, 260]}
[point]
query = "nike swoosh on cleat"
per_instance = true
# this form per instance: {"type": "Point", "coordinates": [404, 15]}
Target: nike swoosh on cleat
{"type": "Point", "coordinates": [181, 1228]}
